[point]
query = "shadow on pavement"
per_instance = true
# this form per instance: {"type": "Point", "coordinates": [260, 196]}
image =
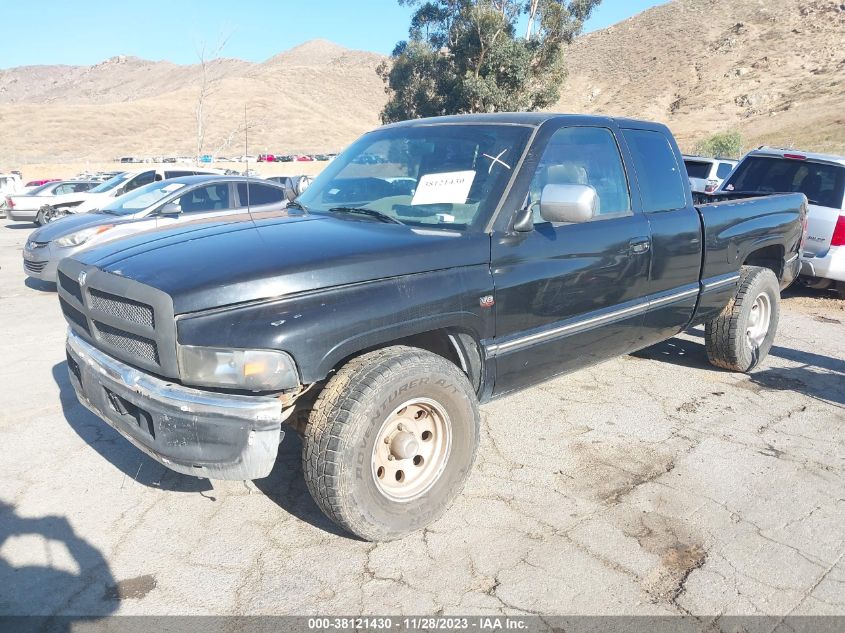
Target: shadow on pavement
{"type": "Point", "coordinates": [816, 376]}
{"type": "Point", "coordinates": [115, 448]}
{"type": "Point", "coordinates": [286, 487]}
{"type": "Point", "coordinates": [46, 569]}
{"type": "Point", "coordinates": [21, 225]}
{"type": "Point", "coordinates": [38, 284]}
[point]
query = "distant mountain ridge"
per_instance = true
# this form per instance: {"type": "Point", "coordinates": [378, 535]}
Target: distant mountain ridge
{"type": "Point", "coordinates": [772, 69]}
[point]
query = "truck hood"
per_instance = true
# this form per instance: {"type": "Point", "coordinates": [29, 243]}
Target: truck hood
{"type": "Point", "coordinates": [220, 262]}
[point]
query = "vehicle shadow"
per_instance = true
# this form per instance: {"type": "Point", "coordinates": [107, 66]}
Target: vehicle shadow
{"type": "Point", "coordinates": [38, 284]}
{"type": "Point", "coordinates": [285, 486]}
{"type": "Point", "coordinates": [115, 448]}
{"type": "Point", "coordinates": [816, 376]}
{"type": "Point", "coordinates": [21, 225]}
{"type": "Point", "coordinates": [47, 570]}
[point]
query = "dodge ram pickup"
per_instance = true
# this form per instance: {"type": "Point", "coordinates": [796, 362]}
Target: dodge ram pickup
{"type": "Point", "coordinates": [479, 255]}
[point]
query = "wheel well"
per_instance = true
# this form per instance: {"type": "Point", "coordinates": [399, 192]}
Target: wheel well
{"type": "Point", "coordinates": [456, 346]}
{"type": "Point", "coordinates": [770, 257]}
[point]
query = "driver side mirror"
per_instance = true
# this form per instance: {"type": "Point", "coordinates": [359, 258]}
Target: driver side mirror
{"type": "Point", "coordinates": [171, 208]}
{"type": "Point", "coordinates": [568, 203]}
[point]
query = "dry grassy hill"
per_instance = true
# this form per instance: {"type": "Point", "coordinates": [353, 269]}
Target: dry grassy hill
{"type": "Point", "coordinates": [316, 97]}
{"type": "Point", "coordinates": [771, 69]}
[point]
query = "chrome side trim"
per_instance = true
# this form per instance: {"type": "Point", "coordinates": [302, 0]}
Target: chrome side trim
{"type": "Point", "coordinates": [185, 399]}
{"type": "Point", "coordinates": [647, 304]}
{"type": "Point", "coordinates": [791, 259]}
{"type": "Point", "coordinates": [717, 282]}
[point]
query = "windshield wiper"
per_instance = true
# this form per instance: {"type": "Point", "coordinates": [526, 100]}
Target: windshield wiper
{"type": "Point", "coordinates": [365, 211]}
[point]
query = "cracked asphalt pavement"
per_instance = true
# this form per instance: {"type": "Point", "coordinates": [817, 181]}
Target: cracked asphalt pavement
{"type": "Point", "coordinates": [650, 484]}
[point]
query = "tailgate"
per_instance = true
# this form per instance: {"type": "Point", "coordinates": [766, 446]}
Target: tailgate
{"type": "Point", "coordinates": [820, 224]}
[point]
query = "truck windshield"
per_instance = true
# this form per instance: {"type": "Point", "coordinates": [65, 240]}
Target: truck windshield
{"type": "Point", "coordinates": [442, 175]}
{"type": "Point", "coordinates": [698, 169]}
{"type": "Point", "coordinates": [822, 183]}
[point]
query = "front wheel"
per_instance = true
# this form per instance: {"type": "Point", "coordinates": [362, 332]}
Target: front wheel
{"type": "Point", "coordinates": [742, 335]}
{"type": "Point", "coordinates": [390, 442]}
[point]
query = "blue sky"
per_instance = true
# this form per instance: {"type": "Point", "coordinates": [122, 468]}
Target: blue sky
{"type": "Point", "coordinates": [62, 32]}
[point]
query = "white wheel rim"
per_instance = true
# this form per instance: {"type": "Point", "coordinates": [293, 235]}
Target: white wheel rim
{"type": "Point", "coordinates": [411, 449]}
{"type": "Point", "coordinates": [759, 319]}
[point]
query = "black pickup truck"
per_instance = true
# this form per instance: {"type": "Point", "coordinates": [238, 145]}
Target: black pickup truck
{"type": "Point", "coordinates": [476, 255]}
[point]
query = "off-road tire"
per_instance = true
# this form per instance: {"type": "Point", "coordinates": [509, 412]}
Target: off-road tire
{"type": "Point", "coordinates": [341, 433]}
{"type": "Point", "coordinates": [728, 345]}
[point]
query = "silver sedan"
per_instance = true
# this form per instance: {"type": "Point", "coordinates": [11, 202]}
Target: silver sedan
{"type": "Point", "coordinates": [157, 205]}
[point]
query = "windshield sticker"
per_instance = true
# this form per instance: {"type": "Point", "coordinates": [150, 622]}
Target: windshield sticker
{"type": "Point", "coordinates": [172, 187]}
{"type": "Point", "coordinates": [497, 159]}
{"type": "Point", "coordinates": [451, 187]}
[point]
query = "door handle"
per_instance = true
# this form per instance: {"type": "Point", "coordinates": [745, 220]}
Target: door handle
{"type": "Point", "coordinates": [639, 245]}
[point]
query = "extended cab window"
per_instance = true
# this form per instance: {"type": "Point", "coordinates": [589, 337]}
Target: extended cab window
{"type": "Point", "coordinates": [259, 194]}
{"type": "Point", "coordinates": [658, 173]}
{"type": "Point", "coordinates": [583, 156]}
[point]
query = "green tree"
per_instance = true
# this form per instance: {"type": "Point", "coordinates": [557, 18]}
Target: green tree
{"type": "Point", "coordinates": [721, 145]}
{"type": "Point", "coordinates": [465, 56]}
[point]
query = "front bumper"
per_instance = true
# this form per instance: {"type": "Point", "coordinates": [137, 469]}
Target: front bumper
{"type": "Point", "coordinates": [191, 431]}
{"type": "Point", "coordinates": [830, 266]}
{"type": "Point", "coordinates": [43, 262]}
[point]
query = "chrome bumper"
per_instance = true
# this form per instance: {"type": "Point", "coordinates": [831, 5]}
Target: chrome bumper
{"type": "Point", "coordinates": [192, 431]}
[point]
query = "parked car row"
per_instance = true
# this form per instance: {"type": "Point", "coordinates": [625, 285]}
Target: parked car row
{"type": "Point", "coordinates": [289, 158]}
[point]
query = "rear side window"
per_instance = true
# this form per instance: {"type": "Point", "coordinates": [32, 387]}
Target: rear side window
{"type": "Point", "coordinates": [724, 170]}
{"type": "Point", "coordinates": [259, 194]}
{"type": "Point", "coordinates": [697, 169]}
{"type": "Point", "coordinates": [823, 184]}
{"type": "Point", "coordinates": [658, 173]}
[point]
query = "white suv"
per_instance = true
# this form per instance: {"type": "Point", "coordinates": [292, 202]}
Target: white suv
{"type": "Point", "coordinates": [820, 177]}
{"type": "Point", "coordinates": [706, 174]}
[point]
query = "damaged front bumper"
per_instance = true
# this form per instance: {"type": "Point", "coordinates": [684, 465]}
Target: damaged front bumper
{"type": "Point", "coordinates": [191, 431]}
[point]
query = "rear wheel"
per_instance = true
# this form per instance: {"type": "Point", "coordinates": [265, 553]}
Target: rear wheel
{"type": "Point", "coordinates": [742, 335]}
{"type": "Point", "coordinates": [390, 442]}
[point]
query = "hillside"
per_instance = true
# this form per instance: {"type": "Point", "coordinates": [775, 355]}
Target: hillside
{"type": "Point", "coordinates": [772, 69]}
{"type": "Point", "coordinates": [315, 97]}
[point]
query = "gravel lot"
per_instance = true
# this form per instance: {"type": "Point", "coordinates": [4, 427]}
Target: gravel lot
{"type": "Point", "coordinates": [650, 484]}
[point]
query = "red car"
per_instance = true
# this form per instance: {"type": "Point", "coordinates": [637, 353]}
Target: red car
{"type": "Point", "coordinates": [304, 158]}
{"type": "Point", "coordinates": [266, 158]}
{"type": "Point", "coordinates": [38, 183]}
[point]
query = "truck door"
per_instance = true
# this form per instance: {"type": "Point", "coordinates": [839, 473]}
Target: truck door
{"type": "Point", "coordinates": [570, 295]}
{"type": "Point", "coordinates": [675, 233]}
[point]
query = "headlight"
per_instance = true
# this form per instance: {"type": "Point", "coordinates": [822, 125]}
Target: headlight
{"type": "Point", "coordinates": [80, 237]}
{"type": "Point", "coordinates": [253, 369]}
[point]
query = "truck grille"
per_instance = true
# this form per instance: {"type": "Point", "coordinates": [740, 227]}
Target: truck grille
{"type": "Point", "coordinates": [123, 308]}
{"type": "Point", "coordinates": [126, 319]}
{"type": "Point", "coordinates": [130, 343]}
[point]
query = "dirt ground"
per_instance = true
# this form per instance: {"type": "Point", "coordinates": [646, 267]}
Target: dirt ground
{"type": "Point", "coordinates": [649, 484]}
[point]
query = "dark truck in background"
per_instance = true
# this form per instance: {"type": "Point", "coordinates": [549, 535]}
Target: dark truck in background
{"type": "Point", "coordinates": [479, 255]}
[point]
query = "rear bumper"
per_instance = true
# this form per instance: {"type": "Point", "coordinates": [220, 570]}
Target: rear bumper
{"type": "Point", "coordinates": [21, 215]}
{"type": "Point", "coordinates": [829, 266]}
{"type": "Point", "coordinates": [191, 431]}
